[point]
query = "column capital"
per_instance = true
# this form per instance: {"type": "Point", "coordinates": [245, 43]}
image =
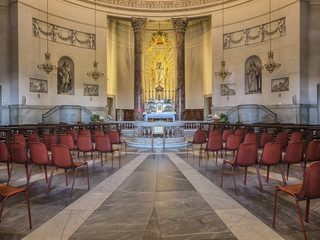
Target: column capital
{"type": "Point", "coordinates": [138, 24]}
{"type": "Point", "coordinates": [180, 24]}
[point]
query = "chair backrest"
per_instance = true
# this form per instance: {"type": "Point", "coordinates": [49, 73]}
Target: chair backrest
{"type": "Point", "coordinates": [19, 152]}
{"type": "Point", "coordinates": [233, 142]}
{"type": "Point", "coordinates": [239, 131]}
{"type": "Point", "coordinates": [114, 137]}
{"type": "Point", "coordinates": [61, 156]}
{"type": "Point", "coordinates": [226, 134]}
{"type": "Point", "coordinates": [49, 139]}
{"type": "Point", "coordinates": [74, 135]}
{"type": "Point", "coordinates": [200, 136]}
{"type": "Point", "coordinates": [313, 151]}
{"type": "Point", "coordinates": [310, 186]}
{"type": "Point", "coordinates": [19, 138]}
{"type": "Point", "coordinates": [97, 133]}
{"type": "Point", "coordinates": [251, 138]}
{"type": "Point", "coordinates": [214, 142]}
{"type": "Point", "coordinates": [84, 143]}
{"type": "Point", "coordinates": [294, 152]}
{"type": "Point", "coordinates": [103, 144]}
{"type": "Point", "coordinates": [214, 132]}
{"type": "Point", "coordinates": [283, 138]}
{"type": "Point", "coordinates": [67, 140]}
{"type": "Point", "coordinates": [265, 138]}
{"type": "Point", "coordinates": [296, 137]}
{"type": "Point", "coordinates": [39, 153]}
{"type": "Point", "coordinates": [33, 137]}
{"type": "Point", "coordinates": [4, 153]}
{"type": "Point", "coordinates": [272, 153]}
{"type": "Point", "coordinates": [247, 154]}
{"type": "Point", "coordinates": [85, 132]}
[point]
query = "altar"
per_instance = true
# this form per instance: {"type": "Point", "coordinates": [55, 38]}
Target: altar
{"type": "Point", "coordinates": [159, 115]}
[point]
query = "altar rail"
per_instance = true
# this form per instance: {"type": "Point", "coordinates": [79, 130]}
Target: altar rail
{"type": "Point", "coordinates": [311, 132]}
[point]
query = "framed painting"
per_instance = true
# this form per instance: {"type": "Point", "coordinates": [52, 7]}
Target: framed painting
{"type": "Point", "coordinates": [228, 89]}
{"type": "Point", "coordinates": [38, 85]}
{"type": "Point", "coordinates": [280, 84]}
{"type": "Point", "coordinates": [90, 90]}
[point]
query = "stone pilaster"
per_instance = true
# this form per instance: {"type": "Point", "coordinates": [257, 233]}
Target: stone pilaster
{"type": "Point", "coordinates": [138, 25]}
{"type": "Point", "coordinates": [180, 25]}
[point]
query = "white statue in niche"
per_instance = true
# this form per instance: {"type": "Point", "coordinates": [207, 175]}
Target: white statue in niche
{"type": "Point", "coordinates": [160, 72]}
{"type": "Point", "coordinates": [253, 73]}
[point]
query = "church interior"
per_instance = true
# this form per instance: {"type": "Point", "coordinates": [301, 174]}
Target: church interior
{"type": "Point", "coordinates": [155, 103]}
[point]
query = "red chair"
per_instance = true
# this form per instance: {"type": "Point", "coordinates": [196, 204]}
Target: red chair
{"type": "Point", "coordinates": [225, 135]}
{"type": "Point", "coordinates": [104, 145]}
{"type": "Point", "coordinates": [19, 138]}
{"type": "Point", "coordinates": [8, 191]}
{"type": "Point", "coordinates": [265, 138]}
{"type": "Point", "coordinates": [271, 156]}
{"type": "Point", "coordinates": [294, 154]}
{"type": "Point", "coordinates": [115, 139]}
{"type": "Point", "coordinates": [85, 146]}
{"type": "Point", "coordinates": [214, 132]}
{"type": "Point", "coordinates": [233, 143]}
{"type": "Point", "coordinates": [309, 189]}
{"type": "Point", "coordinates": [67, 140]}
{"type": "Point", "coordinates": [312, 154]}
{"type": "Point", "coordinates": [239, 131]}
{"type": "Point", "coordinates": [39, 156]}
{"type": "Point", "coordinates": [283, 138]}
{"type": "Point", "coordinates": [247, 156]}
{"type": "Point", "coordinates": [296, 137]}
{"type": "Point", "coordinates": [5, 158]}
{"type": "Point", "coordinates": [61, 158]}
{"type": "Point", "coordinates": [200, 137]}
{"type": "Point", "coordinates": [19, 156]}
{"type": "Point", "coordinates": [74, 135]}
{"type": "Point", "coordinates": [48, 140]}
{"type": "Point", "coordinates": [85, 132]}
{"type": "Point", "coordinates": [98, 133]}
{"type": "Point", "coordinates": [251, 138]}
{"type": "Point", "coordinates": [33, 137]}
{"type": "Point", "coordinates": [214, 144]}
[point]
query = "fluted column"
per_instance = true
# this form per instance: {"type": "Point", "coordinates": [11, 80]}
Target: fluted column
{"type": "Point", "coordinates": [138, 25]}
{"type": "Point", "coordinates": [180, 25]}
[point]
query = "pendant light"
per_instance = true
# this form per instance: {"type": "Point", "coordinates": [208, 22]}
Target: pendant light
{"type": "Point", "coordinates": [47, 66]}
{"type": "Point", "coordinates": [271, 65]}
{"type": "Point", "coordinates": [95, 74]}
{"type": "Point", "coordinates": [223, 73]}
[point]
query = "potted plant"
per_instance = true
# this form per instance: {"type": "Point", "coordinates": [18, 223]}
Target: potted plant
{"type": "Point", "coordinates": [224, 117]}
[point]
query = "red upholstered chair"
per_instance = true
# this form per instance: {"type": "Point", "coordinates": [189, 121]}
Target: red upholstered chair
{"type": "Point", "coordinates": [39, 156]}
{"type": "Point", "coordinates": [247, 155]}
{"type": "Point", "coordinates": [85, 146]}
{"type": "Point", "coordinates": [312, 154]}
{"type": "Point", "coordinates": [19, 156]}
{"type": "Point", "coordinates": [104, 145]}
{"type": "Point", "coordinates": [309, 189]}
{"type": "Point", "coordinates": [85, 132]}
{"type": "Point", "coordinates": [233, 143]}
{"type": "Point", "coordinates": [239, 131]}
{"type": "Point", "coordinates": [115, 139]}
{"type": "Point", "coordinates": [48, 140]}
{"type": "Point", "coordinates": [5, 158]}
{"type": "Point", "coordinates": [33, 137]}
{"type": "Point", "coordinates": [200, 137]}
{"type": "Point", "coordinates": [214, 144]}
{"type": "Point", "coordinates": [214, 132]}
{"type": "Point", "coordinates": [271, 156]}
{"type": "Point", "coordinates": [294, 154]}
{"type": "Point", "coordinates": [283, 138]}
{"type": "Point", "coordinates": [19, 138]}
{"type": "Point", "coordinates": [8, 191]}
{"type": "Point", "coordinates": [74, 135]}
{"type": "Point", "coordinates": [67, 140]}
{"type": "Point", "coordinates": [98, 133]}
{"type": "Point", "coordinates": [225, 135]}
{"type": "Point", "coordinates": [251, 138]}
{"type": "Point", "coordinates": [296, 137]}
{"type": "Point", "coordinates": [61, 158]}
{"type": "Point", "coordinates": [265, 138]}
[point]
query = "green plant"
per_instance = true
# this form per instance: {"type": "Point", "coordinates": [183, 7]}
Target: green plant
{"type": "Point", "coordinates": [224, 117]}
{"type": "Point", "coordinates": [94, 117]}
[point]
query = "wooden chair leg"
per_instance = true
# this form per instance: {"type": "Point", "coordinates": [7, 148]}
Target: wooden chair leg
{"type": "Point", "coordinates": [50, 179]}
{"type": "Point", "coordinates": [259, 178]}
{"type": "Point", "coordinates": [301, 220]}
{"type": "Point", "coordinates": [28, 203]}
{"type": "Point", "coordinates": [74, 177]}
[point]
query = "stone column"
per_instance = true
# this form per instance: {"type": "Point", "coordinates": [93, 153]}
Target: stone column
{"type": "Point", "coordinates": [180, 25]}
{"type": "Point", "coordinates": [138, 25]}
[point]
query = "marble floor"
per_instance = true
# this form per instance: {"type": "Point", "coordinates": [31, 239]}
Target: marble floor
{"type": "Point", "coordinates": [156, 194]}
